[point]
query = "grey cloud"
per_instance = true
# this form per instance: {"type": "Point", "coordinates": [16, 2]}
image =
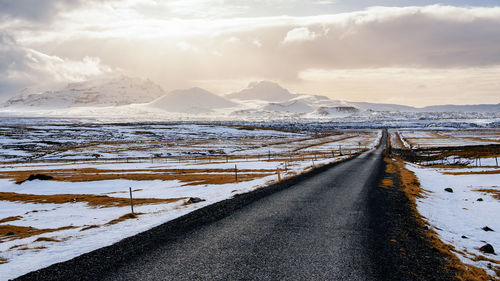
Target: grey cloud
{"type": "Point", "coordinates": [411, 40]}
{"type": "Point", "coordinates": [11, 60]}
{"type": "Point", "coordinates": [37, 10]}
{"type": "Point", "coordinates": [22, 67]}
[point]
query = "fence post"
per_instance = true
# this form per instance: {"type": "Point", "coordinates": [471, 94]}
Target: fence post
{"type": "Point", "coordinates": [131, 200]}
{"type": "Point", "coordinates": [236, 173]}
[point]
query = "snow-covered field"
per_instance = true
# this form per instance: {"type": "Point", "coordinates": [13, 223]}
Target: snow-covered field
{"type": "Point", "coordinates": [460, 217]}
{"type": "Point", "coordinates": [448, 138]}
{"type": "Point", "coordinates": [85, 205]}
{"type": "Point", "coordinates": [466, 216]}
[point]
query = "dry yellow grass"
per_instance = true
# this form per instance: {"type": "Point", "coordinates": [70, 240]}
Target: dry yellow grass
{"type": "Point", "coordinates": [90, 227]}
{"type": "Point", "coordinates": [15, 218]}
{"type": "Point", "coordinates": [101, 201]}
{"type": "Point", "coordinates": [36, 249]}
{"type": "Point", "coordinates": [46, 239]}
{"type": "Point", "coordinates": [494, 192]}
{"type": "Point", "coordinates": [386, 182]}
{"type": "Point", "coordinates": [486, 151]}
{"type": "Point", "coordinates": [440, 136]}
{"type": "Point", "coordinates": [3, 260]}
{"type": "Point", "coordinates": [322, 143]}
{"type": "Point", "coordinates": [199, 176]}
{"type": "Point", "coordinates": [481, 139]}
{"type": "Point", "coordinates": [398, 141]}
{"type": "Point", "coordinates": [411, 187]}
{"type": "Point", "coordinates": [11, 232]}
{"type": "Point", "coordinates": [123, 218]}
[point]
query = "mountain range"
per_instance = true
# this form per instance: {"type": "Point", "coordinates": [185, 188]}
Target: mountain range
{"type": "Point", "coordinates": [260, 100]}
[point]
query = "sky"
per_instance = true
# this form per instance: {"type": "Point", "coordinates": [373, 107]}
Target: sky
{"type": "Point", "coordinates": [388, 51]}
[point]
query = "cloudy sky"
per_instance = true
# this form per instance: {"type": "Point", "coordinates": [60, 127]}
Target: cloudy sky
{"type": "Point", "coordinates": [394, 51]}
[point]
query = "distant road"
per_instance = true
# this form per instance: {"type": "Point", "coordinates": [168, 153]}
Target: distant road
{"type": "Point", "coordinates": [318, 229]}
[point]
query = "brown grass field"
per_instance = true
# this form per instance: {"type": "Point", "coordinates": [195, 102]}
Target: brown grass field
{"type": "Point", "coordinates": [189, 176]}
{"type": "Point", "coordinates": [11, 232]}
{"type": "Point", "coordinates": [96, 201]}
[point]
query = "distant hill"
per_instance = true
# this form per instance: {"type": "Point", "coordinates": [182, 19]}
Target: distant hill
{"type": "Point", "coordinates": [263, 100]}
{"type": "Point", "coordinates": [112, 91]}
{"type": "Point", "coordinates": [463, 108]}
{"type": "Point", "coordinates": [290, 106]}
{"type": "Point", "coordinates": [433, 108]}
{"type": "Point", "coordinates": [191, 101]}
{"type": "Point", "coordinates": [264, 91]}
{"type": "Point", "coordinates": [384, 107]}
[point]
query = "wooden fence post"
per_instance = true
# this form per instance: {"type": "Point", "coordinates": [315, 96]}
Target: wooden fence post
{"type": "Point", "coordinates": [236, 173]}
{"type": "Point", "coordinates": [131, 200]}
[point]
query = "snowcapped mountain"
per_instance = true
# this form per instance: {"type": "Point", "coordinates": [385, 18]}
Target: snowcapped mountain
{"type": "Point", "coordinates": [193, 100]}
{"type": "Point", "coordinates": [263, 91]}
{"type": "Point", "coordinates": [295, 106]}
{"type": "Point", "coordinates": [125, 97]}
{"type": "Point", "coordinates": [319, 106]}
{"type": "Point", "coordinates": [111, 91]}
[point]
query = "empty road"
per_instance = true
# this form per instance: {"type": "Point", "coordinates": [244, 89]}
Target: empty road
{"type": "Point", "coordinates": [317, 229]}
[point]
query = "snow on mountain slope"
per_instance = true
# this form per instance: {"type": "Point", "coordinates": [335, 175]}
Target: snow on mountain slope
{"type": "Point", "coordinates": [110, 91]}
{"type": "Point", "coordinates": [318, 106]}
{"type": "Point", "coordinates": [134, 98]}
{"type": "Point", "coordinates": [290, 106]}
{"type": "Point", "coordinates": [263, 90]}
{"type": "Point", "coordinates": [191, 101]}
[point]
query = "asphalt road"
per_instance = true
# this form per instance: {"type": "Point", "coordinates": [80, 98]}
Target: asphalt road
{"type": "Point", "coordinates": [318, 229]}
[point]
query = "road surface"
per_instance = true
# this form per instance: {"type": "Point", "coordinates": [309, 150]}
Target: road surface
{"type": "Point", "coordinates": [317, 229]}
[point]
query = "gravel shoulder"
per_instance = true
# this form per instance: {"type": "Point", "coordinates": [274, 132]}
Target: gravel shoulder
{"type": "Point", "coordinates": [402, 250]}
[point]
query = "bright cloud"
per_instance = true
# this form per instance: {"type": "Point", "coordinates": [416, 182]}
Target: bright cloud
{"type": "Point", "coordinates": [177, 43]}
{"type": "Point", "coordinates": [299, 34]}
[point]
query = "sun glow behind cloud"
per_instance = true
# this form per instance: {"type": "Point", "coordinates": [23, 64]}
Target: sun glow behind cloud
{"type": "Point", "coordinates": [441, 54]}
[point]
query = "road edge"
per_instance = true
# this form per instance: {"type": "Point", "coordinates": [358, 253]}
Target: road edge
{"type": "Point", "coordinates": [402, 250]}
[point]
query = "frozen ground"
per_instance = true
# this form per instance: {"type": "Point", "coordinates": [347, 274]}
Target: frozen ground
{"type": "Point", "coordinates": [448, 138]}
{"type": "Point", "coordinates": [459, 217]}
{"type": "Point", "coordinates": [164, 161]}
